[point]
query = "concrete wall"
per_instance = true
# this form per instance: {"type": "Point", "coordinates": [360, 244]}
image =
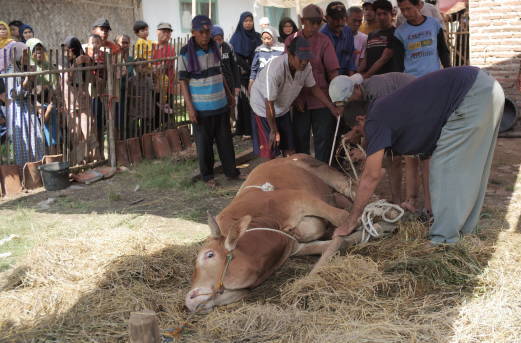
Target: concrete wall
{"type": "Point", "coordinates": [53, 20]}
{"type": "Point", "coordinates": [495, 41]}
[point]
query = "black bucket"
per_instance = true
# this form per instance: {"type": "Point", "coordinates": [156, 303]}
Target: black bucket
{"type": "Point", "coordinates": [55, 175]}
{"type": "Point", "coordinates": [509, 116]}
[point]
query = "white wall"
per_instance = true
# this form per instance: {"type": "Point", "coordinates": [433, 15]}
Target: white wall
{"type": "Point", "coordinates": [229, 11]}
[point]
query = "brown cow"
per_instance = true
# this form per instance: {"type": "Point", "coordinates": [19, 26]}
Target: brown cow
{"type": "Point", "coordinates": [300, 204]}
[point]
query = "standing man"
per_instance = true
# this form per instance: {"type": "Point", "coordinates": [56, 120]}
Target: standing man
{"type": "Point", "coordinates": [381, 54]}
{"type": "Point", "coordinates": [164, 72]}
{"type": "Point", "coordinates": [357, 97]}
{"type": "Point", "coordinates": [311, 114]}
{"type": "Point", "coordinates": [370, 23]}
{"type": "Point", "coordinates": [453, 115]}
{"type": "Point", "coordinates": [426, 9]}
{"type": "Point", "coordinates": [101, 27]}
{"type": "Point", "coordinates": [207, 100]}
{"type": "Point", "coordinates": [422, 40]}
{"type": "Point", "coordinates": [354, 20]}
{"type": "Point", "coordinates": [341, 36]}
{"type": "Point", "coordinates": [273, 93]}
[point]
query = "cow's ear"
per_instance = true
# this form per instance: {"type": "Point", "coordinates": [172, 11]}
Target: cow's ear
{"type": "Point", "coordinates": [233, 236]}
{"type": "Point", "coordinates": [215, 232]}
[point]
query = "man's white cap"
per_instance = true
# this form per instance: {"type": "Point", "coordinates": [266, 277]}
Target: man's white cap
{"type": "Point", "coordinates": [342, 86]}
{"type": "Point", "coordinates": [264, 21]}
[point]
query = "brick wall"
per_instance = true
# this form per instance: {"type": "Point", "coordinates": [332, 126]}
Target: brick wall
{"type": "Point", "coordinates": [495, 41]}
{"type": "Point", "coordinates": [53, 20]}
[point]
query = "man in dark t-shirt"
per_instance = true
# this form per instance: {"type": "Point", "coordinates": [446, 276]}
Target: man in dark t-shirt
{"type": "Point", "coordinates": [381, 55]}
{"type": "Point", "coordinates": [453, 115]}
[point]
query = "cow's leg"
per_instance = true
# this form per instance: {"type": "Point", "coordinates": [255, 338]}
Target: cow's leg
{"type": "Point", "coordinates": [310, 229]}
{"type": "Point", "coordinates": [333, 178]}
{"type": "Point", "coordinates": [301, 204]}
{"type": "Point", "coordinates": [311, 248]}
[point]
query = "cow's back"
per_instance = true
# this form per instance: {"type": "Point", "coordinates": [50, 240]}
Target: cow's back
{"type": "Point", "coordinates": [285, 174]}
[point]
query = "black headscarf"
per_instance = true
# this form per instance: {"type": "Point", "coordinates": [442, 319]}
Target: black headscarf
{"type": "Point", "coordinates": [282, 35]}
{"type": "Point", "coordinates": [244, 41]}
{"type": "Point", "coordinates": [74, 43]}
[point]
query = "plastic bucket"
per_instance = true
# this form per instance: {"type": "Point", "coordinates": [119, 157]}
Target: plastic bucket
{"type": "Point", "coordinates": [55, 175]}
{"type": "Point", "coordinates": [509, 116]}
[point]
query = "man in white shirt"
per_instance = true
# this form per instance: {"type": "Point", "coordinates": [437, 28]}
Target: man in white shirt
{"type": "Point", "coordinates": [274, 91]}
{"type": "Point", "coordinates": [355, 16]}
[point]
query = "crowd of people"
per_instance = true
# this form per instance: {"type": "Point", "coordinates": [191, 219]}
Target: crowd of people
{"type": "Point", "coordinates": [41, 112]}
{"type": "Point", "coordinates": [386, 73]}
{"type": "Point", "coordinates": [375, 66]}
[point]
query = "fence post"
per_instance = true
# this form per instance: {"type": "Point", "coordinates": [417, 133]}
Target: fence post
{"type": "Point", "coordinates": [110, 89]}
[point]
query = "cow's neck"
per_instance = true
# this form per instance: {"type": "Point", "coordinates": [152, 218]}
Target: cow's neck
{"type": "Point", "coordinates": [262, 251]}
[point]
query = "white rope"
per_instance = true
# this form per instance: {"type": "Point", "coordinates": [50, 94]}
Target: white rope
{"type": "Point", "coordinates": [267, 187]}
{"type": "Point", "coordinates": [272, 230]}
{"type": "Point", "coordinates": [378, 208]}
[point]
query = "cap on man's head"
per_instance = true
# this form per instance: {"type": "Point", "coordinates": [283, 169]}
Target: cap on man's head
{"type": "Point", "coordinates": [368, 2]}
{"type": "Point", "coordinates": [336, 10]}
{"type": "Point", "coordinates": [164, 26]}
{"type": "Point", "coordinates": [102, 22]}
{"type": "Point", "coordinates": [201, 22]}
{"type": "Point", "coordinates": [302, 48]}
{"type": "Point", "coordinates": [216, 31]}
{"type": "Point", "coordinates": [341, 87]}
{"type": "Point", "coordinates": [312, 12]}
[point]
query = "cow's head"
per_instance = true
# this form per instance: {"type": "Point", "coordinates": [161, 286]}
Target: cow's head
{"type": "Point", "coordinates": [212, 285]}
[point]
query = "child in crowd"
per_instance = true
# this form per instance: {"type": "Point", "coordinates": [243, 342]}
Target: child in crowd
{"type": "Point", "coordinates": [140, 99]}
{"type": "Point", "coordinates": [269, 49]}
{"type": "Point", "coordinates": [143, 47]}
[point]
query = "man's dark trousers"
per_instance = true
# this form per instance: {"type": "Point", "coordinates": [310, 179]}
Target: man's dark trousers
{"type": "Point", "coordinates": [322, 122]}
{"type": "Point", "coordinates": [216, 129]}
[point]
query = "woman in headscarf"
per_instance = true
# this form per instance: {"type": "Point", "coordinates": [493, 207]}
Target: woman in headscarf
{"type": "Point", "coordinates": [26, 33]}
{"type": "Point", "coordinates": [6, 44]}
{"type": "Point", "coordinates": [244, 42]}
{"type": "Point", "coordinates": [45, 91]}
{"type": "Point", "coordinates": [286, 28]}
{"type": "Point", "coordinates": [81, 126]}
{"type": "Point", "coordinates": [23, 123]}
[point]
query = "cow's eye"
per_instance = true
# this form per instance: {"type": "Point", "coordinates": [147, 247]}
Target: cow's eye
{"type": "Point", "coordinates": [209, 254]}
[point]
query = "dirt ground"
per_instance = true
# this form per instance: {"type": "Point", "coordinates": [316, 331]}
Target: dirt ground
{"type": "Point", "coordinates": [155, 208]}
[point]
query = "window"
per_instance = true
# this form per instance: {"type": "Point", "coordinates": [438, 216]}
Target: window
{"type": "Point", "coordinates": [275, 14]}
{"type": "Point", "coordinates": [202, 7]}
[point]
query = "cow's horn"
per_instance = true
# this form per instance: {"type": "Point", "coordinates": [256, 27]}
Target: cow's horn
{"type": "Point", "coordinates": [215, 232]}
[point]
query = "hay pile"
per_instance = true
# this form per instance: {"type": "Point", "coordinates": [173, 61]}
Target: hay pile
{"type": "Point", "coordinates": [395, 290]}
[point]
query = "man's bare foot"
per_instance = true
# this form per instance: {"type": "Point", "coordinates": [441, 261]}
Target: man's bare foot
{"type": "Point", "coordinates": [343, 230]}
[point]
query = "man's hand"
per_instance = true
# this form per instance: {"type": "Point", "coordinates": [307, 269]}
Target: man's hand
{"type": "Point", "coordinates": [299, 105]}
{"type": "Point", "coordinates": [336, 111]}
{"type": "Point", "coordinates": [237, 91]}
{"type": "Point", "coordinates": [344, 230]}
{"type": "Point", "coordinates": [192, 114]}
{"type": "Point", "coordinates": [274, 139]}
{"type": "Point", "coordinates": [231, 102]}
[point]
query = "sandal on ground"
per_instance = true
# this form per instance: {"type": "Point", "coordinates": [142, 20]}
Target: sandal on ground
{"type": "Point", "coordinates": [212, 183]}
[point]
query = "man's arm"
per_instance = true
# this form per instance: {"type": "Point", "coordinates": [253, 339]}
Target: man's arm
{"type": "Point", "coordinates": [192, 114]}
{"type": "Point", "coordinates": [371, 176]}
{"type": "Point", "coordinates": [270, 117]}
{"type": "Point", "coordinates": [386, 56]}
{"type": "Point", "coordinates": [317, 92]}
{"type": "Point", "coordinates": [443, 50]}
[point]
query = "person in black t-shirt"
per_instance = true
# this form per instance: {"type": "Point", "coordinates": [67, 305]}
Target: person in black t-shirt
{"type": "Point", "coordinates": [381, 56]}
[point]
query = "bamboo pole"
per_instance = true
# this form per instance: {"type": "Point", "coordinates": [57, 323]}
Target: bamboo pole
{"type": "Point", "coordinates": [110, 106]}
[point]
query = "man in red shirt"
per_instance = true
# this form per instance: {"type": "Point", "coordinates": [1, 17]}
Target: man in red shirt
{"type": "Point", "coordinates": [101, 27]}
{"type": "Point", "coordinates": [164, 73]}
{"type": "Point", "coordinates": [311, 113]}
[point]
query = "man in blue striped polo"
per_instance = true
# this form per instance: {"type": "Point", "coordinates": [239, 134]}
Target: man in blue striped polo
{"type": "Point", "coordinates": [208, 100]}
